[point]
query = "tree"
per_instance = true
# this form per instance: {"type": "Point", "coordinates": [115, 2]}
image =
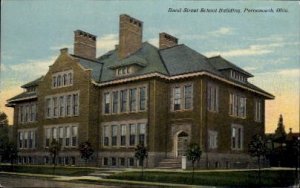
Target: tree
{"type": "Point", "coordinates": [280, 134]}
{"type": "Point", "coordinates": [141, 153]}
{"type": "Point", "coordinates": [3, 119]}
{"type": "Point", "coordinates": [54, 150]}
{"type": "Point", "coordinates": [4, 139]}
{"type": "Point", "coordinates": [258, 148]}
{"type": "Point", "coordinates": [86, 151]}
{"type": "Point", "coordinates": [11, 153]}
{"type": "Point", "coordinates": [193, 154]}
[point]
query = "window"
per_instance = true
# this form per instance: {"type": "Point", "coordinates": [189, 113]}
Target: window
{"type": "Point", "coordinates": [258, 111]}
{"type": "Point", "coordinates": [61, 136]}
{"type": "Point", "coordinates": [123, 135]}
{"type": "Point", "coordinates": [113, 161]}
{"type": "Point", "coordinates": [131, 161]}
{"type": "Point", "coordinates": [237, 76]}
{"type": "Point", "coordinates": [115, 101]}
{"type": "Point", "coordinates": [25, 139]}
{"type": "Point", "coordinates": [132, 100]}
{"type": "Point", "coordinates": [27, 113]}
{"type": "Point", "coordinates": [75, 104]}
{"type": "Point", "coordinates": [74, 135]}
{"type": "Point", "coordinates": [122, 71]}
{"type": "Point", "coordinates": [54, 133]}
{"type": "Point", "coordinates": [142, 131]}
{"type": "Point", "coordinates": [212, 98]}
{"type": "Point", "coordinates": [114, 130]}
{"type": "Point", "coordinates": [55, 107]}
{"type": "Point", "coordinates": [212, 139]}
{"type": "Point", "coordinates": [20, 139]}
{"type": "Point", "coordinates": [123, 100]}
{"type": "Point", "coordinates": [182, 97]}
{"type": "Point", "coordinates": [61, 106]}
{"type": "Point", "coordinates": [177, 98]}
{"type": "Point", "coordinates": [142, 98]}
{"type": "Point", "coordinates": [236, 137]}
{"type": "Point", "coordinates": [21, 115]}
{"type": "Point", "coordinates": [106, 136]}
{"type": "Point", "coordinates": [105, 161]}
{"type": "Point", "coordinates": [122, 161]}
{"type": "Point", "coordinates": [237, 105]}
{"type": "Point", "coordinates": [132, 128]}
{"type": "Point", "coordinates": [68, 110]}
{"type": "Point", "coordinates": [188, 96]}
{"type": "Point", "coordinates": [48, 136]}
{"type": "Point", "coordinates": [30, 139]}
{"type": "Point", "coordinates": [68, 135]}
{"type": "Point", "coordinates": [62, 79]}
{"type": "Point", "coordinates": [48, 110]}
{"type": "Point", "coordinates": [106, 103]}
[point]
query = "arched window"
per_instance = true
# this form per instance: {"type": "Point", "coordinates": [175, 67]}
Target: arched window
{"type": "Point", "coordinates": [70, 77]}
{"type": "Point", "coordinates": [65, 81]}
{"type": "Point", "coordinates": [59, 80]}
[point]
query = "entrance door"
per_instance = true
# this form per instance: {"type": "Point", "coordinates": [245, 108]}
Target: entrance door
{"type": "Point", "coordinates": [182, 144]}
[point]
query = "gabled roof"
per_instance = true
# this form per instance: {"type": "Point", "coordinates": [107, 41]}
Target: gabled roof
{"type": "Point", "coordinates": [93, 65]}
{"type": "Point", "coordinates": [222, 64]}
{"type": "Point", "coordinates": [23, 96]}
{"type": "Point", "coordinates": [33, 83]}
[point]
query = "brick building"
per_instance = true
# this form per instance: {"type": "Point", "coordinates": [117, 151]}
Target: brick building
{"type": "Point", "coordinates": [164, 98]}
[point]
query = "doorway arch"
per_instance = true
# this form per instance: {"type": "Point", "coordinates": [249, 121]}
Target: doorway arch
{"type": "Point", "coordinates": [181, 143]}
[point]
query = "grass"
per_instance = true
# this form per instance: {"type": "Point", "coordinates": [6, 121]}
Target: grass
{"type": "Point", "coordinates": [280, 178]}
{"type": "Point", "coordinates": [63, 171]}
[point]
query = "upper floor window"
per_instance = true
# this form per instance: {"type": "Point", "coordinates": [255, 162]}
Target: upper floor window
{"type": "Point", "coordinates": [258, 111]}
{"type": "Point", "coordinates": [212, 97]}
{"type": "Point", "coordinates": [237, 76]}
{"type": "Point", "coordinates": [125, 100]}
{"type": "Point", "coordinates": [123, 71]}
{"type": "Point", "coordinates": [62, 105]}
{"type": "Point", "coordinates": [62, 79]}
{"type": "Point", "coordinates": [182, 97]}
{"type": "Point", "coordinates": [27, 113]}
{"type": "Point", "coordinates": [237, 105]}
{"type": "Point", "coordinates": [237, 137]}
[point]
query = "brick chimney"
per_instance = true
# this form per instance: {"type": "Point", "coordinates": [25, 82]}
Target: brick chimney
{"type": "Point", "coordinates": [166, 40]}
{"type": "Point", "coordinates": [84, 44]}
{"type": "Point", "coordinates": [130, 36]}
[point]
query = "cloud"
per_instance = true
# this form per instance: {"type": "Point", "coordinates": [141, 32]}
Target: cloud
{"type": "Point", "coordinates": [223, 31]}
{"type": "Point", "coordinates": [58, 47]}
{"type": "Point", "coordinates": [154, 41]}
{"type": "Point", "coordinates": [252, 50]}
{"type": "Point", "coordinates": [106, 43]}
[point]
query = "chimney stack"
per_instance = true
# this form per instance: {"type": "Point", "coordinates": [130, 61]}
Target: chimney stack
{"type": "Point", "coordinates": [84, 44]}
{"type": "Point", "coordinates": [130, 36]}
{"type": "Point", "coordinates": [166, 40]}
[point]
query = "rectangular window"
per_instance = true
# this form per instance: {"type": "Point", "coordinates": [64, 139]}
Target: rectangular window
{"type": "Point", "coordinates": [106, 136]}
{"type": "Point", "coordinates": [212, 98]}
{"type": "Point", "coordinates": [21, 115]}
{"type": "Point", "coordinates": [177, 98]}
{"type": "Point", "coordinates": [132, 129]}
{"type": "Point", "coordinates": [123, 96]}
{"type": "Point", "coordinates": [48, 136]}
{"type": "Point", "coordinates": [188, 96]}
{"type": "Point", "coordinates": [20, 139]}
{"type": "Point", "coordinates": [27, 113]}
{"type": "Point", "coordinates": [74, 135]}
{"type": "Point", "coordinates": [142, 98]}
{"type": "Point", "coordinates": [131, 161]}
{"type": "Point", "coordinates": [114, 130]}
{"type": "Point", "coordinates": [237, 137]}
{"type": "Point", "coordinates": [212, 139]}
{"type": "Point", "coordinates": [132, 100]}
{"type": "Point", "coordinates": [113, 161]}
{"type": "Point", "coordinates": [237, 105]}
{"type": "Point", "coordinates": [68, 135]}
{"type": "Point", "coordinates": [48, 108]}
{"type": "Point", "coordinates": [115, 101]}
{"type": "Point", "coordinates": [61, 106]}
{"type": "Point", "coordinates": [142, 134]}
{"type": "Point", "coordinates": [68, 106]}
{"type": "Point", "coordinates": [54, 81]}
{"type": "Point", "coordinates": [123, 135]}
{"type": "Point", "coordinates": [75, 104]}
{"type": "Point", "coordinates": [55, 107]}
{"type": "Point", "coordinates": [106, 103]}
{"type": "Point", "coordinates": [30, 139]}
{"type": "Point", "coordinates": [61, 136]}
{"type": "Point", "coordinates": [258, 111]}
{"type": "Point", "coordinates": [25, 139]}
{"type": "Point", "coordinates": [54, 133]}
{"type": "Point", "coordinates": [105, 161]}
{"type": "Point", "coordinates": [122, 161]}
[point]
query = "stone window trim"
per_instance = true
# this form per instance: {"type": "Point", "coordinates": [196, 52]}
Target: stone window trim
{"type": "Point", "coordinates": [118, 90]}
{"type": "Point", "coordinates": [62, 79]}
{"type": "Point", "coordinates": [212, 97]}
{"type": "Point", "coordinates": [64, 126]}
{"type": "Point", "coordinates": [138, 124]}
{"type": "Point", "coordinates": [66, 107]}
{"type": "Point", "coordinates": [237, 137]}
{"type": "Point", "coordinates": [182, 96]}
{"type": "Point", "coordinates": [30, 109]}
{"type": "Point", "coordinates": [258, 110]}
{"type": "Point", "coordinates": [28, 131]}
{"type": "Point", "coordinates": [237, 105]}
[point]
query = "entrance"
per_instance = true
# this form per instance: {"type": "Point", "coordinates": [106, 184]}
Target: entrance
{"type": "Point", "coordinates": [182, 144]}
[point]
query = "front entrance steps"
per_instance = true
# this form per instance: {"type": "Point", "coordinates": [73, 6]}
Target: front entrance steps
{"type": "Point", "coordinates": [170, 163]}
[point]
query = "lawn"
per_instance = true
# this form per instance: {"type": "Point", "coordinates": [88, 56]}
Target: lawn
{"type": "Point", "coordinates": [63, 171]}
{"type": "Point", "coordinates": [279, 178]}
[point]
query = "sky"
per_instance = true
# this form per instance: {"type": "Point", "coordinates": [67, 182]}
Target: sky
{"type": "Point", "coordinates": [266, 44]}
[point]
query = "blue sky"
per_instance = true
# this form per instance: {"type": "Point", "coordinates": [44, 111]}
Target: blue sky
{"type": "Point", "coordinates": [265, 44]}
